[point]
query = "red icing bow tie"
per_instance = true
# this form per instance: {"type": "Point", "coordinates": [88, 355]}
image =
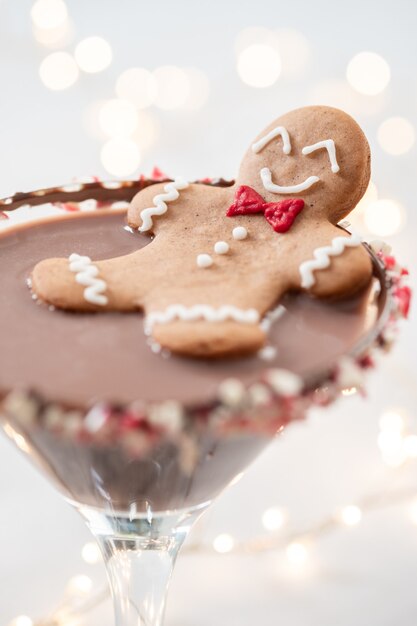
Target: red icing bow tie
{"type": "Point", "coordinates": [280, 215]}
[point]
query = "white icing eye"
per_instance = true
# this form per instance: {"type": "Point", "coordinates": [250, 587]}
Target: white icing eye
{"type": "Point", "coordinates": [279, 131]}
{"type": "Point", "coordinates": [221, 247]}
{"type": "Point", "coordinates": [204, 260]}
{"type": "Point", "coordinates": [328, 144]}
{"type": "Point", "coordinates": [239, 233]}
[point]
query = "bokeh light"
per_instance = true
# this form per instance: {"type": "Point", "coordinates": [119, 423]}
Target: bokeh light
{"type": "Point", "coordinates": [172, 87]}
{"type": "Point", "coordinates": [273, 518]}
{"type": "Point", "coordinates": [91, 553]}
{"type": "Point", "coordinates": [147, 130]}
{"type": "Point", "coordinates": [223, 543]}
{"type": "Point", "coordinates": [198, 89]}
{"type": "Point", "coordinates": [396, 135]}
{"type": "Point", "coordinates": [410, 446]}
{"type": "Point", "coordinates": [351, 515]}
{"type": "Point", "coordinates": [49, 14]}
{"type": "Point", "coordinates": [58, 71]}
{"type": "Point", "coordinates": [120, 157]}
{"type": "Point", "coordinates": [21, 620]}
{"type": "Point", "coordinates": [118, 118]}
{"type": "Point", "coordinates": [384, 217]}
{"type": "Point", "coordinates": [57, 37]}
{"type": "Point", "coordinates": [392, 420]}
{"type": "Point", "coordinates": [368, 73]}
{"type": "Point", "coordinates": [259, 65]}
{"type": "Point", "coordinates": [295, 52]}
{"type": "Point", "coordinates": [93, 54]}
{"type": "Point", "coordinates": [413, 511]}
{"type": "Point", "coordinates": [137, 85]}
{"type": "Point", "coordinates": [297, 554]}
{"type": "Point", "coordinates": [79, 586]}
{"type": "Point", "coordinates": [370, 195]}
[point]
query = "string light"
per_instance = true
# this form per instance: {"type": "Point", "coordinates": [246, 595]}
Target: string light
{"type": "Point", "coordinates": [351, 515]}
{"type": "Point", "coordinates": [384, 217]}
{"type": "Point", "coordinates": [79, 586]}
{"type": "Point", "coordinates": [223, 543]}
{"type": "Point", "coordinates": [118, 118]}
{"type": "Point", "coordinates": [296, 551]}
{"type": "Point", "coordinates": [120, 157]}
{"type": "Point", "coordinates": [91, 553]}
{"type": "Point", "coordinates": [49, 14]}
{"type": "Point", "coordinates": [297, 554]}
{"type": "Point", "coordinates": [172, 87]}
{"type": "Point", "coordinates": [396, 135]}
{"type": "Point", "coordinates": [93, 54]}
{"type": "Point", "coordinates": [368, 73]}
{"type": "Point", "coordinates": [259, 65]}
{"type": "Point", "coordinates": [58, 71]}
{"type": "Point", "coordinates": [137, 85]}
{"type": "Point", "coordinates": [273, 518]}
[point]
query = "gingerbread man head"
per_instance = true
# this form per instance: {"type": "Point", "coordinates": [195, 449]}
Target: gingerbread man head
{"type": "Point", "coordinates": [220, 259]}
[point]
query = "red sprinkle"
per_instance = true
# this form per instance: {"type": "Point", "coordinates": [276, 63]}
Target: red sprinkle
{"type": "Point", "coordinates": [403, 295]}
{"type": "Point", "coordinates": [158, 174]}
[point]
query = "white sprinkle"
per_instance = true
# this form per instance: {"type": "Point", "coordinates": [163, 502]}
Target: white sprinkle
{"type": "Point", "coordinates": [111, 184]}
{"type": "Point", "coordinates": [268, 353]}
{"type": "Point", "coordinates": [239, 233]}
{"type": "Point", "coordinates": [259, 394]}
{"type": "Point", "coordinates": [284, 382]}
{"type": "Point", "coordinates": [378, 245]}
{"type": "Point", "coordinates": [231, 391]}
{"type": "Point", "coordinates": [71, 188]}
{"type": "Point", "coordinates": [121, 204]}
{"type": "Point", "coordinates": [221, 247]}
{"type": "Point", "coordinates": [204, 260]}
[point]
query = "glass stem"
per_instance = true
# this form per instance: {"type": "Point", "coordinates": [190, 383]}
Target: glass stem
{"type": "Point", "coordinates": [140, 555]}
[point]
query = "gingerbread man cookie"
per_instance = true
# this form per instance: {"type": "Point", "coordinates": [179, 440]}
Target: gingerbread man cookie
{"type": "Point", "coordinates": [218, 259]}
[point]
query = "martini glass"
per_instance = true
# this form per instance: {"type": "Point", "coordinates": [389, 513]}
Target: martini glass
{"type": "Point", "coordinates": [141, 475]}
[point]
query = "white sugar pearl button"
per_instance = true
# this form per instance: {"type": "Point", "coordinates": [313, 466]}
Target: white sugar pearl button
{"type": "Point", "coordinates": [204, 260]}
{"type": "Point", "coordinates": [221, 247]}
{"type": "Point", "coordinates": [239, 233]}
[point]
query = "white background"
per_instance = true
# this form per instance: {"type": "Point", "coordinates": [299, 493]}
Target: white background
{"type": "Point", "coordinates": [363, 576]}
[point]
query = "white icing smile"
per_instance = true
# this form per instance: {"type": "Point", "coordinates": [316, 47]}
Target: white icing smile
{"type": "Point", "coordinates": [266, 178]}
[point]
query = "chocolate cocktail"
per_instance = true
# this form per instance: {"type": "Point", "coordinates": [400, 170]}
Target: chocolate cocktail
{"type": "Point", "coordinates": [139, 435]}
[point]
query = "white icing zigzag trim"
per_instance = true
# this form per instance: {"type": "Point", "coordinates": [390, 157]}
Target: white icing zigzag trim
{"type": "Point", "coordinates": [331, 150]}
{"type": "Point", "coordinates": [200, 311]}
{"type": "Point", "coordinates": [86, 275]}
{"type": "Point", "coordinates": [275, 132]}
{"type": "Point", "coordinates": [160, 201]}
{"type": "Point", "coordinates": [266, 178]}
{"type": "Point", "coordinates": [322, 258]}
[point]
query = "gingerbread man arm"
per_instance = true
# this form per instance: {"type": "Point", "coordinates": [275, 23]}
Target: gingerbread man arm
{"type": "Point", "coordinates": [337, 265]}
{"type": "Point", "coordinates": [80, 284]}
